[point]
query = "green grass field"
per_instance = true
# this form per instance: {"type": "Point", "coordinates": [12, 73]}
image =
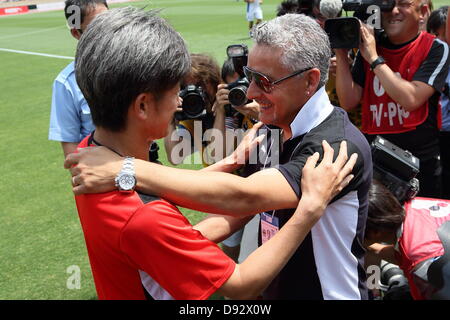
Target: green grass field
{"type": "Point", "coordinates": [40, 233]}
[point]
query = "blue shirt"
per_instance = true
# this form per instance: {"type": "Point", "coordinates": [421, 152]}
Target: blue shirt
{"type": "Point", "coordinates": [70, 117]}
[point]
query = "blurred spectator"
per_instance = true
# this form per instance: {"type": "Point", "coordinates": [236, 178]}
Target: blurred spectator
{"type": "Point", "coordinates": [288, 6]}
{"type": "Point", "coordinates": [70, 117]}
{"type": "Point", "coordinates": [254, 12]}
{"type": "Point", "coordinates": [436, 25]}
{"type": "Point", "coordinates": [205, 76]}
{"type": "Point", "coordinates": [399, 79]}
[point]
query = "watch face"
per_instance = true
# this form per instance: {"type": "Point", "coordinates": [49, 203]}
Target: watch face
{"type": "Point", "coordinates": [127, 182]}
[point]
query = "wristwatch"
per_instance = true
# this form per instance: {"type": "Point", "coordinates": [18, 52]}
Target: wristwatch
{"type": "Point", "coordinates": [126, 178]}
{"type": "Point", "coordinates": [376, 62]}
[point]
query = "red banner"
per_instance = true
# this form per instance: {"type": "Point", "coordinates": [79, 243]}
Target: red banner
{"type": "Point", "coordinates": [13, 10]}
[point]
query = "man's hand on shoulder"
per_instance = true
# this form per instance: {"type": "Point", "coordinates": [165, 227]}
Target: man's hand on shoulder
{"type": "Point", "coordinates": [321, 183]}
{"type": "Point", "coordinates": [93, 169]}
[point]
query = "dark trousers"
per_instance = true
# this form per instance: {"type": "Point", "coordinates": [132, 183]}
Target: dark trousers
{"type": "Point", "coordinates": [444, 141]}
{"type": "Point", "coordinates": [430, 178]}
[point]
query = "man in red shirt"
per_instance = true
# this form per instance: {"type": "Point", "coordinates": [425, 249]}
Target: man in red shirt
{"type": "Point", "coordinates": [129, 64]}
{"type": "Point", "coordinates": [398, 79]}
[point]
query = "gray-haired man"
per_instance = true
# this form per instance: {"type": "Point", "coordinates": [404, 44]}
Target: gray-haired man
{"type": "Point", "coordinates": [288, 69]}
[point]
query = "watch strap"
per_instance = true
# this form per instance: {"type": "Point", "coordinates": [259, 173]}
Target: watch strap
{"type": "Point", "coordinates": [376, 62]}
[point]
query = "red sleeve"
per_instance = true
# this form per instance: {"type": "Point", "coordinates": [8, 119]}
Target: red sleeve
{"type": "Point", "coordinates": [159, 240]}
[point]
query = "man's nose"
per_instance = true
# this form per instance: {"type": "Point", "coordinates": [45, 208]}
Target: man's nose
{"type": "Point", "coordinates": [253, 91]}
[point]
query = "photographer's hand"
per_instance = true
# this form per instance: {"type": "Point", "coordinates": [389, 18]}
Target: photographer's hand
{"type": "Point", "coordinates": [221, 98]}
{"type": "Point", "coordinates": [250, 110]}
{"type": "Point", "coordinates": [368, 46]}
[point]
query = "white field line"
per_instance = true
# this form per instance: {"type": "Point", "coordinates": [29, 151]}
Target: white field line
{"type": "Point", "coordinates": [37, 54]}
{"type": "Point", "coordinates": [29, 33]}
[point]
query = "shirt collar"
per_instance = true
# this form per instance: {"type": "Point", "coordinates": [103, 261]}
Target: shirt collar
{"type": "Point", "coordinates": [314, 112]}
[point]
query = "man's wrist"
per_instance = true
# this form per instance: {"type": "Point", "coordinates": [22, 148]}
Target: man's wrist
{"type": "Point", "coordinates": [376, 62]}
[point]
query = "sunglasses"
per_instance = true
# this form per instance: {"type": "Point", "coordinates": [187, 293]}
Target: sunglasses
{"type": "Point", "coordinates": [263, 82]}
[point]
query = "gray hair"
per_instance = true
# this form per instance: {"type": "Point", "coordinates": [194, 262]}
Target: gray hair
{"type": "Point", "coordinates": [303, 41]}
{"type": "Point", "coordinates": [123, 53]}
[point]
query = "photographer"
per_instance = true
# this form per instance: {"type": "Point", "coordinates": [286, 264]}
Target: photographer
{"type": "Point", "coordinates": [408, 234]}
{"type": "Point", "coordinates": [398, 79]}
{"type": "Point", "coordinates": [203, 78]}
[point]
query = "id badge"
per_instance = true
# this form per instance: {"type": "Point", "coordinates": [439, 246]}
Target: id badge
{"type": "Point", "coordinates": [269, 226]}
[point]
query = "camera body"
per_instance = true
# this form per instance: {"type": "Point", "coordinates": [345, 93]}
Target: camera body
{"type": "Point", "coordinates": [194, 103]}
{"type": "Point", "coordinates": [345, 32]}
{"type": "Point", "coordinates": [395, 168]}
{"type": "Point", "coordinates": [238, 89]}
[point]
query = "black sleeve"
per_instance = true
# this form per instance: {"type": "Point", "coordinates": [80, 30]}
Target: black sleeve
{"type": "Point", "coordinates": [358, 73]}
{"type": "Point", "coordinates": [292, 170]}
{"type": "Point", "coordinates": [433, 71]}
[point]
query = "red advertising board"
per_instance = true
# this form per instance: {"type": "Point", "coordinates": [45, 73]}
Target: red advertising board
{"type": "Point", "coordinates": [13, 10]}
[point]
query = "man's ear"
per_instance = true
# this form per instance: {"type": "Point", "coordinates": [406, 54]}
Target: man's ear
{"type": "Point", "coordinates": [144, 106]}
{"type": "Point", "coordinates": [312, 78]}
{"type": "Point", "coordinates": [424, 10]}
{"type": "Point", "coordinates": [75, 33]}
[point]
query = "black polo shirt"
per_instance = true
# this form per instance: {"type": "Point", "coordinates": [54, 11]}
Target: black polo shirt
{"type": "Point", "coordinates": [329, 264]}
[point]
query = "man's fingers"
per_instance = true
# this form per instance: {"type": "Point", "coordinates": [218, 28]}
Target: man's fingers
{"type": "Point", "coordinates": [254, 130]}
{"type": "Point", "coordinates": [348, 166]}
{"type": "Point", "coordinates": [342, 156]}
{"type": "Point", "coordinates": [78, 190]}
{"type": "Point", "coordinates": [71, 160]}
{"type": "Point", "coordinates": [311, 161]}
{"type": "Point", "coordinates": [260, 139]}
{"type": "Point", "coordinates": [257, 126]}
{"type": "Point", "coordinates": [328, 152]}
{"type": "Point", "coordinates": [74, 171]}
{"type": "Point", "coordinates": [345, 182]}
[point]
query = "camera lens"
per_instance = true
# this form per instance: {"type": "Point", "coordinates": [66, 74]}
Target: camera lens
{"type": "Point", "coordinates": [193, 105]}
{"type": "Point", "coordinates": [238, 96]}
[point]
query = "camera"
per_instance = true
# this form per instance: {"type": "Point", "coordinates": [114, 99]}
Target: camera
{"type": "Point", "coordinates": [393, 282]}
{"type": "Point", "coordinates": [345, 32]}
{"type": "Point", "coordinates": [238, 92]}
{"type": "Point", "coordinates": [194, 103]}
{"type": "Point", "coordinates": [395, 168]}
{"type": "Point", "coordinates": [238, 89]}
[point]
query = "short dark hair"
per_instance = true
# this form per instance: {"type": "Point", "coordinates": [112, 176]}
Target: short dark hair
{"type": "Point", "coordinates": [227, 69]}
{"type": "Point", "coordinates": [84, 5]}
{"type": "Point", "coordinates": [288, 6]}
{"type": "Point", "coordinates": [123, 53]}
{"type": "Point", "coordinates": [437, 19]}
{"type": "Point", "coordinates": [385, 212]}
